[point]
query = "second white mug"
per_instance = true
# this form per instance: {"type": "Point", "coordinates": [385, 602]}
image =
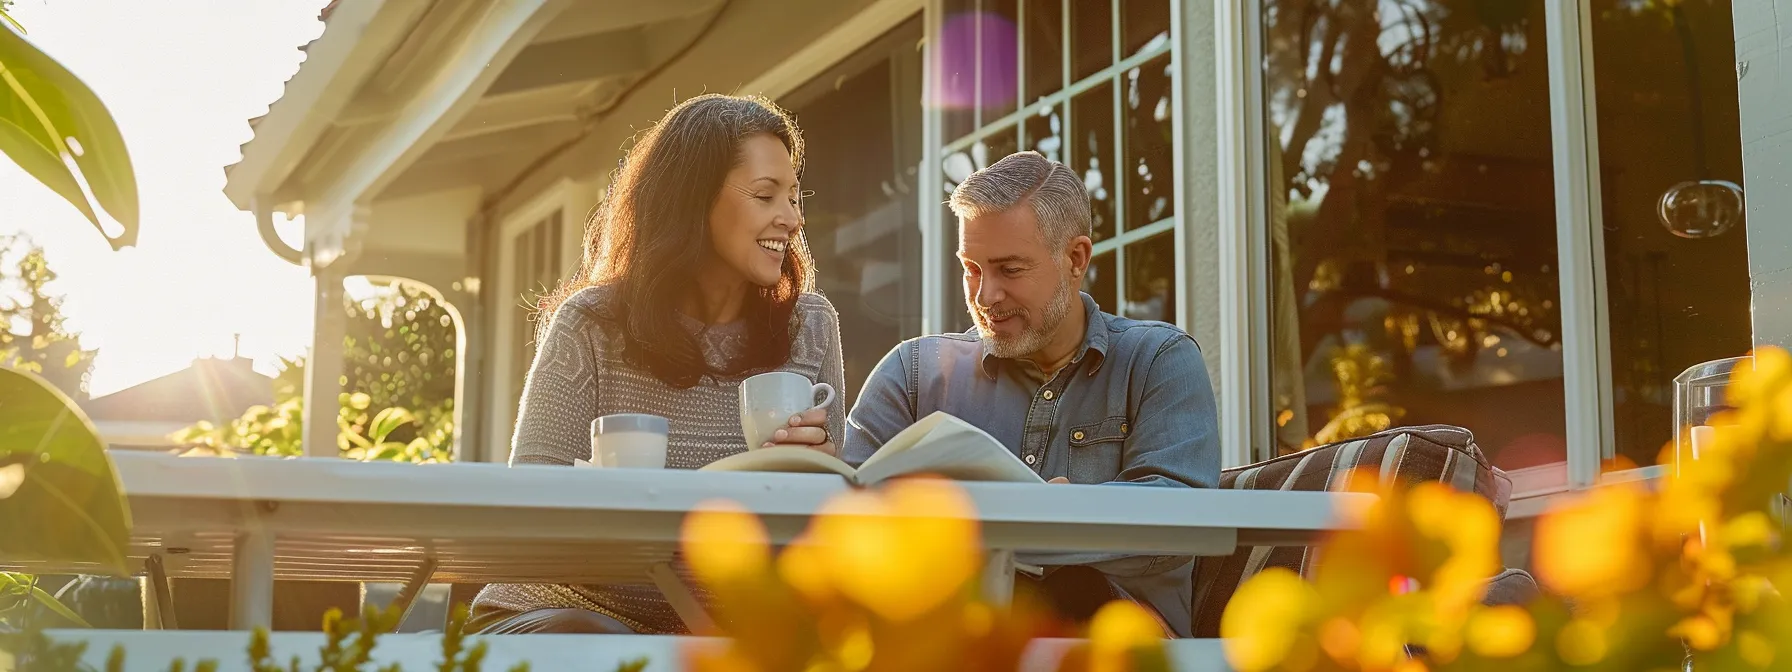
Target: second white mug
{"type": "Point", "coordinates": [768, 400]}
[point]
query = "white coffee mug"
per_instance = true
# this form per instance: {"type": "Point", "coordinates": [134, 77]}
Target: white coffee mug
{"type": "Point", "coordinates": [630, 441]}
{"type": "Point", "coordinates": [769, 400]}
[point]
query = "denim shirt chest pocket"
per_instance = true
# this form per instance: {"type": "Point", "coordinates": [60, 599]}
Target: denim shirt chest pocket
{"type": "Point", "coordinates": [1096, 448]}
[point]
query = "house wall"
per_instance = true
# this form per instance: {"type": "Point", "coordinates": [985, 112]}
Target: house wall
{"type": "Point", "coordinates": [434, 223]}
{"type": "Point", "coordinates": [421, 238]}
{"type": "Point", "coordinates": [1763, 42]}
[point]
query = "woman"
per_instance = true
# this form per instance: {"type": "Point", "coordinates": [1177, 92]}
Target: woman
{"type": "Point", "coordinates": [695, 276]}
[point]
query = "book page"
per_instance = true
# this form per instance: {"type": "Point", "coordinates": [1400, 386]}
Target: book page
{"type": "Point", "coordinates": [944, 445]}
{"type": "Point", "coordinates": [783, 458]}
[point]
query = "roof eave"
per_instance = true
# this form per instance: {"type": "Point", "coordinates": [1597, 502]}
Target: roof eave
{"type": "Point", "coordinates": [348, 52]}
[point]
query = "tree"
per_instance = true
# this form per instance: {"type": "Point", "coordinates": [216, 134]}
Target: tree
{"type": "Point", "coordinates": [399, 348]}
{"type": "Point", "coordinates": [398, 387]}
{"type": "Point", "coordinates": [32, 335]}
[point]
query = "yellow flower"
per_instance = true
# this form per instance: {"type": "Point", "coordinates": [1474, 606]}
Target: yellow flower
{"type": "Point", "coordinates": [901, 552]}
{"type": "Point", "coordinates": [1590, 547]}
{"type": "Point", "coordinates": [1469, 527]}
{"type": "Point", "coordinates": [803, 566]}
{"type": "Point", "coordinates": [1700, 632]}
{"type": "Point", "coordinates": [1263, 621]}
{"type": "Point", "coordinates": [1756, 649]}
{"type": "Point", "coordinates": [1501, 632]}
{"type": "Point", "coordinates": [1118, 629]}
{"type": "Point", "coordinates": [724, 543]}
{"type": "Point", "coordinates": [1340, 638]}
{"type": "Point", "coordinates": [1581, 643]}
{"type": "Point", "coordinates": [1753, 529]}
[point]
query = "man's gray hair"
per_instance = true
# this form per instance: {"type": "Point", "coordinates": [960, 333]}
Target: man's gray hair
{"type": "Point", "coordinates": [1051, 188]}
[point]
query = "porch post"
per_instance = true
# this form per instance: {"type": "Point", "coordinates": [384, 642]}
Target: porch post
{"type": "Point", "coordinates": [323, 370]}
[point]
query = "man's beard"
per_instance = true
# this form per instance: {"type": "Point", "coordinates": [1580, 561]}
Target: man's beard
{"type": "Point", "coordinates": [1036, 334]}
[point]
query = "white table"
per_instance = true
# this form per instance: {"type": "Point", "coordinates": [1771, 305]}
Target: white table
{"type": "Point", "coordinates": [257, 519]}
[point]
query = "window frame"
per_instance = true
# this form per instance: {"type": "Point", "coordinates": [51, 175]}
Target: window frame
{"type": "Point", "coordinates": [1243, 224]}
{"type": "Point", "coordinates": [567, 198]}
{"type": "Point", "coordinates": [934, 288]}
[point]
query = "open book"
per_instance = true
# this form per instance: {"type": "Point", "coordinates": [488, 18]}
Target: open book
{"type": "Point", "coordinates": [939, 444]}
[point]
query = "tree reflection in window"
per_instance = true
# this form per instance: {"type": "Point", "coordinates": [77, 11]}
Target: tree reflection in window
{"type": "Point", "coordinates": [1413, 261]}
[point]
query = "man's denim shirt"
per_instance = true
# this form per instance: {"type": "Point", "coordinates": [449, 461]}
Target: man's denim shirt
{"type": "Point", "coordinates": [1133, 407]}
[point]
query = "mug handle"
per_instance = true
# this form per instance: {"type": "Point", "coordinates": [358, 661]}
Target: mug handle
{"type": "Point", "coordinates": [825, 401]}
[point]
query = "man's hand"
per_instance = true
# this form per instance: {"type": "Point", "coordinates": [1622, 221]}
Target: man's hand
{"type": "Point", "coordinates": [1059, 479]}
{"type": "Point", "coordinates": [808, 429]}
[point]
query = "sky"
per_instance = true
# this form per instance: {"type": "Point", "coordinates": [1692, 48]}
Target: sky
{"type": "Point", "coordinates": [181, 78]}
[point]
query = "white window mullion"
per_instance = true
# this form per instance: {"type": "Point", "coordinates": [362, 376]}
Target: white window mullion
{"type": "Point", "coordinates": [1183, 313]}
{"type": "Point", "coordinates": [1243, 233]}
{"type": "Point", "coordinates": [1586, 366]}
{"type": "Point", "coordinates": [1134, 235]}
{"type": "Point", "coordinates": [1118, 188]}
{"type": "Point", "coordinates": [933, 289]}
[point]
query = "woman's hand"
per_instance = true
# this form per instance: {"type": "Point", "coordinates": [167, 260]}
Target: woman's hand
{"type": "Point", "coordinates": [808, 429]}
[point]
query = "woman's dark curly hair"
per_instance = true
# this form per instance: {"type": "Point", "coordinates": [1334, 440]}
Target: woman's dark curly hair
{"type": "Point", "coordinates": [650, 236]}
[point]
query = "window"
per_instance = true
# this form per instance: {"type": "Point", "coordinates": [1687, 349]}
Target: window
{"type": "Point", "coordinates": [535, 270]}
{"type": "Point", "coordinates": [1676, 278]}
{"type": "Point", "coordinates": [1096, 96]}
{"type": "Point", "coordinates": [1413, 220]}
{"type": "Point", "coordinates": [862, 124]}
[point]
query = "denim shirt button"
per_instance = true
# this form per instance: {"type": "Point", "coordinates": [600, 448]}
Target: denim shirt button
{"type": "Point", "coordinates": [1030, 459]}
{"type": "Point", "coordinates": [1048, 395]}
{"type": "Point", "coordinates": [1078, 436]}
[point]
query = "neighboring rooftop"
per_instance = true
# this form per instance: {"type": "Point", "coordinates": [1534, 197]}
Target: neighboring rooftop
{"type": "Point", "coordinates": [215, 390]}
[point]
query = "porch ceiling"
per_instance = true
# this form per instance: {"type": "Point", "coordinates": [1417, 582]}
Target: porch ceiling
{"type": "Point", "coordinates": [573, 67]}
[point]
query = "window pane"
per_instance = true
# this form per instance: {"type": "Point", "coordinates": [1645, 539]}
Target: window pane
{"type": "Point", "coordinates": [1677, 286]}
{"type": "Point", "coordinates": [995, 147]}
{"type": "Point", "coordinates": [1412, 259]}
{"type": "Point", "coordinates": [1045, 48]}
{"type": "Point", "coordinates": [955, 87]}
{"type": "Point", "coordinates": [999, 75]}
{"type": "Point", "coordinates": [1150, 144]}
{"type": "Point", "coordinates": [1045, 132]}
{"type": "Point", "coordinates": [1092, 126]}
{"type": "Point", "coordinates": [1100, 282]}
{"type": "Point", "coordinates": [1091, 37]}
{"type": "Point", "coordinates": [862, 121]}
{"type": "Point", "coordinates": [1144, 25]}
{"type": "Point", "coordinates": [1151, 278]}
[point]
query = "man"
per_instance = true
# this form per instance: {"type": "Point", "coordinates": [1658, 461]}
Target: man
{"type": "Point", "coordinates": [1080, 395]}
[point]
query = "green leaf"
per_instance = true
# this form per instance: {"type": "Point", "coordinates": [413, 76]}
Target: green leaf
{"type": "Point", "coordinates": [7, 18]}
{"type": "Point", "coordinates": [69, 507]}
{"type": "Point", "coordinates": [42, 163]}
{"type": "Point", "coordinates": [53, 107]}
{"type": "Point", "coordinates": [54, 605]}
{"type": "Point", "coordinates": [387, 421]}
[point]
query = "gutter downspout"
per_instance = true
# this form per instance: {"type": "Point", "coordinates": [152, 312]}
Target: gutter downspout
{"type": "Point", "coordinates": [264, 225]}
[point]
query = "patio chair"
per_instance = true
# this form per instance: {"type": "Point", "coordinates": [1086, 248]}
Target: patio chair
{"type": "Point", "coordinates": [1409, 455]}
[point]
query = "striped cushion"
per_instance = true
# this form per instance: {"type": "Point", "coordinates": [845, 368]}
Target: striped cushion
{"type": "Point", "coordinates": [1409, 454]}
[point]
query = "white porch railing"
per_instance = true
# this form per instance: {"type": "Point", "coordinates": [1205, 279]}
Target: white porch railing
{"type": "Point", "coordinates": [147, 651]}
